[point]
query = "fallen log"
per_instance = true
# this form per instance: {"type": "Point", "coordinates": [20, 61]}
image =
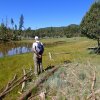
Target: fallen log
{"type": "Point", "coordinates": [2, 95]}
{"type": "Point", "coordinates": [25, 95]}
{"type": "Point", "coordinates": [12, 84]}
{"type": "Point", "coordinates": [9, 83]}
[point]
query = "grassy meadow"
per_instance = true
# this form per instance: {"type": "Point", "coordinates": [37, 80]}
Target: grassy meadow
{"type": "Point", "coordinates": [62, 49]}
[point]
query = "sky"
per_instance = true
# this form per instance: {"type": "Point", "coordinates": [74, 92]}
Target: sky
{"type": "Point", "coordinates": [44, 13]}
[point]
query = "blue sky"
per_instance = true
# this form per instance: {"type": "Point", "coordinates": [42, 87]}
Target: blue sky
{"type": "Point", "coordinates": [44, 13]}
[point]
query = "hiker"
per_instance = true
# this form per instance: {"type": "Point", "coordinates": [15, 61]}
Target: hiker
{"type": "Point", "coordinates": [38, 50]}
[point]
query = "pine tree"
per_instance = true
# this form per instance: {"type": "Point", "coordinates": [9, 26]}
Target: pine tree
{"type": "Point", "coordinates": [21, 22]}
{"type": "Point", "coordinates": [12, 23]}
{"type": "Point", "coordinates": [90, 24]}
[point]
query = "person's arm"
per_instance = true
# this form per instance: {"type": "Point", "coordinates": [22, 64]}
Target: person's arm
{"type": "Point", "coordinates": [35, 51]}
{"type": "Point", "coordinates": [34, 48]}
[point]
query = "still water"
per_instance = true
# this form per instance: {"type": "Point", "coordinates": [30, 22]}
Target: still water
{"type": "Point", "coordinates": [9, 49]}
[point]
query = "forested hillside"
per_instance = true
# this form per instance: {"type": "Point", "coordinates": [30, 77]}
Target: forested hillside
{"type": "Point", "coordinates": [7, 34]}
{"type": "Point", "coordinates": [68, 31]}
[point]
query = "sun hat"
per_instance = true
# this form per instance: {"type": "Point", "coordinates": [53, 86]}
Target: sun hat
{"type": "Point", "coordinates": [36, 37]}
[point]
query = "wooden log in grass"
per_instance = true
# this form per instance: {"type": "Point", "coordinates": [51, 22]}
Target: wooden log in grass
{"type": "Point", "coordinates": [25, 95]}
{"type": "Point", "coordinates": [8, 85]}
{"type": "Point", "coordinates": [12, 84]}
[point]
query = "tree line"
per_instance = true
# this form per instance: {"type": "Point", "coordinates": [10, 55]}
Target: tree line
{"type": "Point", "coordinates": [11, 33]}
{"type": "Point", "coordinates": [20, 32]}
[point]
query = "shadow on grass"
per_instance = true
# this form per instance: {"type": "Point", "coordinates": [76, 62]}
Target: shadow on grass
{"type": "Point", "coordinates": [49, 67]}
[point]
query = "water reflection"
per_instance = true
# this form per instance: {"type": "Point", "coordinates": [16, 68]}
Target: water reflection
{"type": "Point", "coordinates": [8, 49]}
{"type": "Point", "coordinates": [1, 54]}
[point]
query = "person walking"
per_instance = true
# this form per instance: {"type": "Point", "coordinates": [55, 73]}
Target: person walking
{"type": "Point", "coordinates": [38, 49]}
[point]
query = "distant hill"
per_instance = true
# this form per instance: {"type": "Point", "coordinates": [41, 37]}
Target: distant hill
{"type": "Point", "coordinates": [68, 31]}
{"type": "Point", "coordinates": [90, 24]}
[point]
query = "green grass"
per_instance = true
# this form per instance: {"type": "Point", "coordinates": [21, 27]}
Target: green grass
{"type": "Point", "coordinates": [76, 47]}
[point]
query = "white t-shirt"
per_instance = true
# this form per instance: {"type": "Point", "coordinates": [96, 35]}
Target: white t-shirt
{"type": "Point", "coordinates": [34, 46]}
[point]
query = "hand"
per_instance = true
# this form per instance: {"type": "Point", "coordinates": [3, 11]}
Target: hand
{"type": "Point", "coordinates": [39, 56]}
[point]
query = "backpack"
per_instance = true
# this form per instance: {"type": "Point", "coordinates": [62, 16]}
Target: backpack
{"type": "Point", "coordinates": [40, 48]}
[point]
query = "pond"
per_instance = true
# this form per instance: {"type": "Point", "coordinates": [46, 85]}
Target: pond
{"type": "Point", "coordinates": [12, 48]}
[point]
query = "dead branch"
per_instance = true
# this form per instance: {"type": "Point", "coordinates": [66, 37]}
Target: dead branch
{"type": "Point", "coordinates": [9, 83]}
{"type": "Point", "coordinates": [15, 77]}
{"type": "Point", "coordinates": [50, 56]}
{"type": "Point", "coordinates": [11, 88]}
{"type": "Point", "coordinates": [96, 92]}
{"type": "Point", "coordinates": [77, 78]}
{"type": "Point", "coordinates": [12, 84]}
{"type": "Point", "coordinates": [24, 83]}
{"type": "Point", "coordinates": [38, 82]}
{"type": "Point", "coordinates": [92, 86]}
{"type": "Point", "coordinates": [33, 96]}
{"type": "Point", "coordinates": [42, 96]}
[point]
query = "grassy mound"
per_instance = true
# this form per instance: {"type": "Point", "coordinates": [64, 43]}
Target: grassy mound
{"type": "Point", "coordinates": [71, 81]}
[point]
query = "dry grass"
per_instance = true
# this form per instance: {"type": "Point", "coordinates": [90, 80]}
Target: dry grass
{"type": "Point", "coordinates": [72, 81]}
